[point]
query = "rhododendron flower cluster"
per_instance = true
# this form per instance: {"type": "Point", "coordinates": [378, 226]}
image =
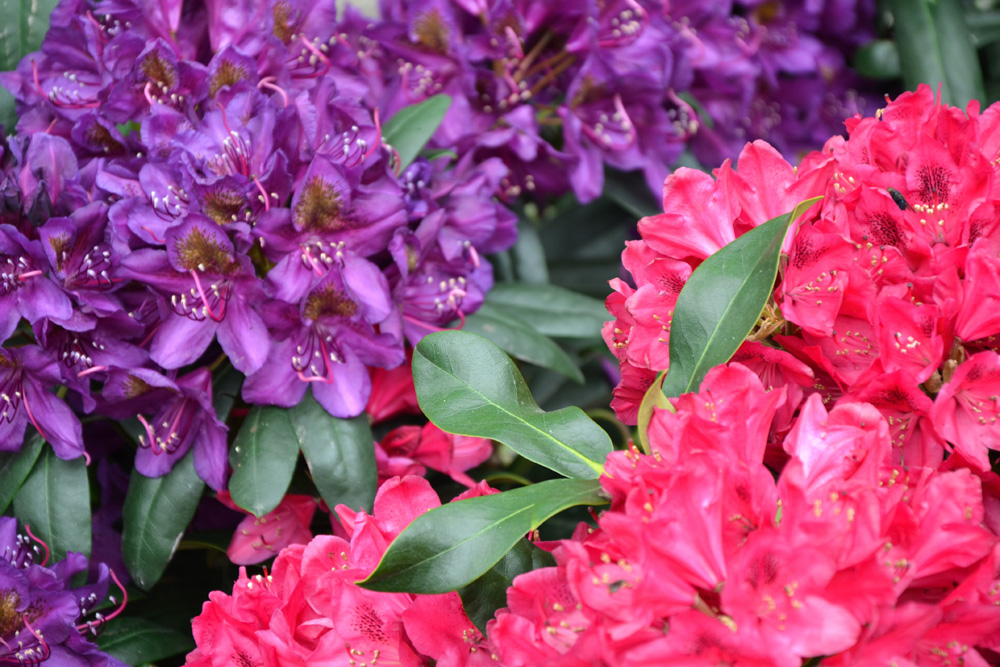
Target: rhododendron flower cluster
{"type": "Point", "coordinates": [308, 610]}
{"type": "Point", "coordinates": [705, 558]}
{"type": "Point", "coordinates": [885, 296]}
{"type": "Point", "coordinates": [559, 90]}
{"type": "Point", "coordinates": [44, 617]}
{"type": "Point", "coordinates": [180, 183]}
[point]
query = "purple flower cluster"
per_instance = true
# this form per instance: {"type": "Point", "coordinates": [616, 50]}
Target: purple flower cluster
{"type": "Point", "coordinates": [194, 176]}
{"type": "Point", "coordinates": [559, 90]}
{"type": "Point", "coordinates": [42, 617]}
{"type": "Point", "coordinates": [190, 179]}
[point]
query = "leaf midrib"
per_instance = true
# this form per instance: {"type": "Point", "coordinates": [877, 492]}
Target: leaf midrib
{"type": "Point", "coordinates": [731, 306]}
{"type": "Point", "coordinates": [596, 467]}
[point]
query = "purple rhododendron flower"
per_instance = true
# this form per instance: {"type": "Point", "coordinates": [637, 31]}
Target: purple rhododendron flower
{"type": "Point", "coordinates": [190, 177]}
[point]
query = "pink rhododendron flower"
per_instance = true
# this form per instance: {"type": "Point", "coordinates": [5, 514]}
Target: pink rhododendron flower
{"type": "Point", "coordinates": [893, 274]}
{"type": "Point", "coordinates": [258, 539]}
{"type": "Point", "coordinates": [704, 558]}
{"type": "Point", "coordinates": [308, 611]}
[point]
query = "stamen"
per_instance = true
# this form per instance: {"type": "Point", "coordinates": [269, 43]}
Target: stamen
{"type": "Point", "coordinates": [27, 529]}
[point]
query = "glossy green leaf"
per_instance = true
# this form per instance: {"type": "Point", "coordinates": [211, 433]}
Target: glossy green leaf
{"type": "Point", "coordinates": [137, 641]}
{"type": "Point", "coordinates": [340, 454]}
{"type": "Point", "coordinates": [15, 466]}
{"type": "Point", "coordinates": [520, 340]}
{"type": "Point", "coordinates": [721, 302]}
{"type": "Point", "coordinates": [453, 545]}
{"type": "Point", "coordinates": [936, 47]}
{"type": "Point", "coordinates": [263, 459]}
{"type": "Point", "coordinates": [413, 126]}
{"type": "Point", "coordinates": [157, 512]}
{"type": "Point", "coordinates": [485, 595]}
{"type": "Point", "coordinates": [879, 59]}
{"type": "Point", "coordinates": [467, 385]}
{"type": "Point", "coordinates": [550, 309]}
{"type": "Point", "coordinates": [55, 501]}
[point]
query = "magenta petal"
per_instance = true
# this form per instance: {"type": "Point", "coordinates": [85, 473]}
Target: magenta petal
{"type": "Point", "coordinates": [181, 340]}
{"type": "Point", "coordinates": [348, 394]}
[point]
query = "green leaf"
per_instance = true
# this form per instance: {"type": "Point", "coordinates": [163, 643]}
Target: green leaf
{"type": "Point", "coordinates": [263, 459]}
{"type": "Point", "coordinates": [413, 126]}
{"type": "Point", "coordinates": [55, 501]}
{"type": "Point", "coordinates": [936, 47]}
{"type": "Point", "coordinates": [485, 595]}
{"type": "Point", "coordinates": [454, 544]}
{"type": "Point", "coordinates": [137, 641]}
{"type": "Point", "coordinates": [157, 512]}
{"type": "Point", "coordinates": [878, 59]}
{"type": "Point", "coordinates": [529, 256]}
{"type": "Point", "coordinates": [550, 310]}
{"type": "Point", "coordinates": [721, 302]}
{"type": "Point", "coordinates": [653, 398]}
{"type": "Point", "coordinates": [467, 385]}
{"type": "Point", "coordinates": [24, 25]}
{"type": "Point", "coordinates": [520, 340]}
{"type": "Point", "coordinates": [226, 385]}
{"type": "Point", "coordinates": [630, 191]}
{"type": "Point", "coordinates": [15, 466]}
{"type": "Point", "coordinates": [340, 454]}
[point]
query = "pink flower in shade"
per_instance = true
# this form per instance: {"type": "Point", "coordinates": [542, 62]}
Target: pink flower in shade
{"type": "Point", "coordinates": [393, 393]}
{"type": "Point", "coordinates": [411, 448]}
{"type": "Point", "coordinates": [258, 539]}
{"type": "Point", "coordinates": [309, 611]}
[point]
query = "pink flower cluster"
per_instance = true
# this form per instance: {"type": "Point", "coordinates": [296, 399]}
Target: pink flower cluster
{"type": "Point", "coordinates": [888, 290]}
{"type": "Point", "coordinates": [704, 558]}
{"type": "Point", "coordinates": [308, 611]}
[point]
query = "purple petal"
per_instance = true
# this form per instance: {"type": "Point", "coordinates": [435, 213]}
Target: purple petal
{"type": "Point", "coordinates": [56, 422]}
{"type": "Point", "coordinates": [181, 340]}
{"type": "Point", "coordinates": [348, 394]}
{"type": "Point", "coordinates": [243, 336]}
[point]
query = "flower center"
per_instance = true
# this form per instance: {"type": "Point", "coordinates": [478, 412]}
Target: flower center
{"type": "Point", "coordinates": [318, 208]}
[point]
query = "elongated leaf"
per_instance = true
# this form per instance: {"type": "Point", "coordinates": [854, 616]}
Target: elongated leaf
{"type": "Point", "coordinates": [157, 512]}
{"type": "Point", "coordinates": [263, 459]}
{"type": "Point", "coordinates": [550, 309]}
{"type": "Point", "coordinates": [521, 341]}
{"type": "Point", "coordinates": [878, 59]}
{"type": "Point", "coordinates": [15, 466]}
{"type": "Point", "coordinates": [529, 255]}
{"type": "Point", "coordinates": [136, 641]}
{"type": "Point", "coordinates": [413, 126]}
{"type": "Point", "coordinates": [21, 31]}
{"type": "Point", "coordinates": [721, 302]}
{"type": "Point", "coordinates": [485, 595]}
{"type": "Point", "coordinates": [467, 385]}
{"type": "Point", "coordinates": [935, 46]}
{"type": "Point", "coordinates": [225, 388]}
{"type": "Point", "coordinates": [453, 545]}
{"type": "Point", "coordinates": [55, 501]}
{"type": "Point", "coordinates": [340, 454]}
